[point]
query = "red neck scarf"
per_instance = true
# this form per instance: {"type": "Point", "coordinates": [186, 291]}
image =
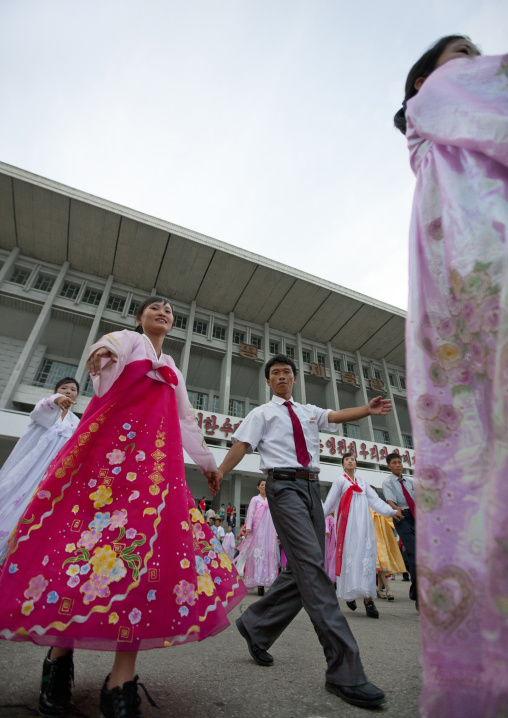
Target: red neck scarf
{"type": "Point", "coordinates": [343, 511]}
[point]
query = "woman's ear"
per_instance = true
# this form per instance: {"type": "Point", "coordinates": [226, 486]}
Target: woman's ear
{"type": "Point", "coordinates": [419, 82]}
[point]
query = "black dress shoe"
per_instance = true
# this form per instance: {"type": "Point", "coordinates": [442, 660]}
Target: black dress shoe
{"type": "Point", "coordinates": [366, 695]}
{"type": "Point", "coordinates": [261, 590]}
{"type": "Point", "coordinates": [371, 610]}
{"type": "Point", "coordinates": [262, 658]}
{"type": "Point", "coordinates": [351, 605]}
{"type": "Point", "coordinates": [55, 699]}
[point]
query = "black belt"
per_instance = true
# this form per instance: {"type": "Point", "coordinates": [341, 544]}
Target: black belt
{"type": "Point", "coordinates": [284, 473]}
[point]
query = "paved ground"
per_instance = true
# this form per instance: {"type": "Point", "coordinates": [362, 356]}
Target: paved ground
{"type": "Point", "coordinates": [218, 679]}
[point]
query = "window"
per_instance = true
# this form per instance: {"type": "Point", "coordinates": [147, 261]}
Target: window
{"type": "Point", "coordinates": [321, 359]}
{"type": "Point", "coordinates": [179, 322]}
{"type": "Point", "coordinates": [88, 390]}
{"type": "Point", "coordinates": [306, 356]}
{"type": "Point", "coordinates": [402, 383]}
{"type": "Point", "coordinates": [290, 351]}
{"type": "Point", "coordinates": [219, 332]}
{"type": "Point", "coordinates": [407, 440]}
{"type": "Point", "coordinates": [215, 403]}
{"type": "Point", "coordinates": [92, 296]}
{"type": "Point", "coordinates": [381, 436]}
{"type": "Point", "coordinates": [336, 364]}
{"type": "Point", "coordinates": [252, 405]}
{"type": "Point", "coordinates": [365, 372]}
{"type": "Point", "coordinates": [377, 375]}
{"type": "Point", "coordinates": [352, 431]}
{"type": "Point", "coordinates": [44, 283]}
{"type": "Point", "coordinates": [116, 304]}
{"type": "Point", "coordinates": [256, 341]}
{"type": "Point", "coordinates": [199, 400]}
{"type": "Point", "coordinates": [70, 291]}
{"type": "Point", "coordinates": [274, 347]}
{"type": "Point", "coordinates": [50, 372]}
{"type": "Point", "coordinates": [133, 308]}
{"type": "Point", "coordinates": [200, 327]}
{"type": "Point", "coordinates": [392, 380]}
{"type": "Point", "coordinates": [351, 367]}
{"type": "Point", "coordinates": [19, 276]}
{"type": "Point", "coordinates": [238, 337]}
{"type": "Point", "coordinates": [237, 408]}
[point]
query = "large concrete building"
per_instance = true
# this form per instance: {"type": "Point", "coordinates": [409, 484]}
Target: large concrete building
{"type": "Point", "coordinates": [74, 266]}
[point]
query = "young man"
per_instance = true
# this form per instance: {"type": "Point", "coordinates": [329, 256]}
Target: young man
{"type": "Point", "coordinates": [218, 526]}
{"type": "Point", "coordinates": [399, 493]}
{"type": "Point", "coordinates": [286, 435]}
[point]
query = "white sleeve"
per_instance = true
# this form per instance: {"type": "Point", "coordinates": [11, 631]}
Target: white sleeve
{"type": "Point", "coordinates": [377, 504]}
{"type": "Point", "coordinates": [46, 412]}
{"type": "Point", "coordinates": [251, 430]}
{"type": "Point", "coordinates": [333, 499]}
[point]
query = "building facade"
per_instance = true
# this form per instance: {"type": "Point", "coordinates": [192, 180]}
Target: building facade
{"type": "Point", "coordinates": [74, 267]}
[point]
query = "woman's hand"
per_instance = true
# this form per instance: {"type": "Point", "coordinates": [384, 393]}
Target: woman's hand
{"type": "Point", "coordinates": [64, 402]}
{"type": "Point", "coordinates": [93, 365]}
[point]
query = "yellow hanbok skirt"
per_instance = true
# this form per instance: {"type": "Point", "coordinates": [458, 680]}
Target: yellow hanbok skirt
{"type": "Point", "coordinates": [389, 558]}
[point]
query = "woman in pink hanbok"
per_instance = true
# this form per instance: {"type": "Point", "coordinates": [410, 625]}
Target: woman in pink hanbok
{"type": "Point", "coordinates": [115, 555]}
{"type": "Point", "coordinates": [457, 365]}
{"type": "Point", "coordinates": [258, 560]}
{"type": "Point", "coordinates": [330, 546]}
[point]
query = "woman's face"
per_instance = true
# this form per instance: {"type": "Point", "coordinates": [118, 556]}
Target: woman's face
{"type": "Point", "coordinates": [349, 463]}
{"type": "Point", "coordinates": [70, 390]}
{"type": "Point", "coordinates": [262, 488]}
{"type": "Point", "coordinates": [456, 49]}
{"type": "Point", "coordinates": [157, 318]}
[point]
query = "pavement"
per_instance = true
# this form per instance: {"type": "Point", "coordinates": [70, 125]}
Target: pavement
{"type": "Point", "coordinates": [218, 679]}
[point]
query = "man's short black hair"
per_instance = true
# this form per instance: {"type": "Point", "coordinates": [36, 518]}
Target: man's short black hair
{"type": "Point", "coordinates": [280, 359]}
{"type": "Point", "coordinates": [392, 456]}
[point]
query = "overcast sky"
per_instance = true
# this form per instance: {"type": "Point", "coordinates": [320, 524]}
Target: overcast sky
{"type": "Point", "coordinates": [266, 124]}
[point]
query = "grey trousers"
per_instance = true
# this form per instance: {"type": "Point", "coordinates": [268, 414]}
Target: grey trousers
{"type": "Point", "coordinates": [298, 516]}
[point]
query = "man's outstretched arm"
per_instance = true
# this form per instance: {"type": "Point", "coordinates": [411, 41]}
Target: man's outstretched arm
{"type": "Point", "coordinates": [232, 458]}
{"type": "Point", "coordinates": [377, 406]}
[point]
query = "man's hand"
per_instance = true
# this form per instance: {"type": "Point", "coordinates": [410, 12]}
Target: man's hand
{"type": "Point", "coordinates": [379, 406]}
{"type": "Point", "coordinates": [64, 402]}
{"type": "Point", "coordinates": [214, 479]}
{"type": "Point", "coordinates": [399, 515]}
{"type": "Point", "coordinates": [93, 365]}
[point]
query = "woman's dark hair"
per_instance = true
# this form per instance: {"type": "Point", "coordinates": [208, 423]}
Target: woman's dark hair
{"type": "Point", "coordinates": [280, 359]}
{"type": "Point", "coordinates": [144, 305]}
{"type": "Point", "coordinates": [423, 68]}
{"type": "Point", "coordinates": [346, 456]}
{"type": "Point", "coordinates": [66, 380]}
{"type": "Point", "coordinates": [261, 481]}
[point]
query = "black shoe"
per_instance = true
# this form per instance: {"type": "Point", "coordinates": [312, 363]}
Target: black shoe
{"type": "Point", "coordinates": [262, 658]}
{"type": "Point", "coordinates": [123, 702]}
{"type": "Point", "coordinates": [366, 695]}
{"type": "Point", "coordinates": [261, 590]}
{"type": "Point", "coordinates": [405, 577]}
{"type": "Point", "coordinates": [55, 698]}
{"type": "Point", "coordinates": [351, 605]}
{"type": "Point", "coordinates": [371, 610]}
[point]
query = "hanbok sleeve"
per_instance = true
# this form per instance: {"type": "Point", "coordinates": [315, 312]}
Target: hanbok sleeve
{"type": "Point", "coordinates": [120, 344]}
{"type": "Point", "coordinates": [46, 412]}
{"type": "Point", "coordinates": [464, 103]}
{"type": "Point", "coordinates": [377, 504]}
{"type": "Point", "coordinates": [192, 439]}
{"type": "Point", "coordinates": [333, 499]}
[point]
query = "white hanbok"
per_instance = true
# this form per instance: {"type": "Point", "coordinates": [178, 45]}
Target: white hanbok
{"type": "Point", "coordinates": [27, 464]}
{"type": "Point", "coordinates": [229, 544]}
{"type": "Point", "coordinates": [358, 575]}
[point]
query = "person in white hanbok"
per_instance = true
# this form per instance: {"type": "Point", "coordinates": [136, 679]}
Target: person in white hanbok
{"type": "Point", "coordinates": [229, 543]}
{"type": "Point", "coordinates": [51, 425]}
{"type": "Point", "coordinates": [350, 498]}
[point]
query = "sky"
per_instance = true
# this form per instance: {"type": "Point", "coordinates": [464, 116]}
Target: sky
{"type": "Point", "coordinates": [266, 124]}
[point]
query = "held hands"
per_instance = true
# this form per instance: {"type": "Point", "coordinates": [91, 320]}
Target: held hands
{"type": "Point", "coordinates": [379, 406]}
{"type": "Point", "coordinates": [214, 479]}
{"type": "Point", "coordinates": [399, 515]}
{"type": "Point", "coordinates": [64, 402]}
{"type": "Point", "coordinates": [93, 365]}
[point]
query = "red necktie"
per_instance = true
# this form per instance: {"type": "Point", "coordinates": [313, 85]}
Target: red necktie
{"type": "Point", "coordinates": [302, 454]}
{"type": "Point", "coordinates": [408, 498]}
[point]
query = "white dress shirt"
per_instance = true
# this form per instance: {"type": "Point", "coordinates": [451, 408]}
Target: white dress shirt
{"type": "Point", "coordinates": [392, 490]}
{"type": "Point", "coordinates": [268, 429]}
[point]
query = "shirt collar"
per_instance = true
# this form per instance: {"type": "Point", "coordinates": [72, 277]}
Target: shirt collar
{"type": "Point", "coordinates": [280, 400]}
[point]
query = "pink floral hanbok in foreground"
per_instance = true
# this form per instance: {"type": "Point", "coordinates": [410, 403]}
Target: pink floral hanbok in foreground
{"type": "Point", "coordinates": [258, 560]}
{"type": "Point", "coordinates": [457, 366]}
{"type": "Point", "coordinates": [112, 553]}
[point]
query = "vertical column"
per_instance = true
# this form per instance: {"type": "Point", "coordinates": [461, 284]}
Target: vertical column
{"type": "Point", "coordinates": [236, 495]}
{"type": "Point", "coordinates": [225, 372]}
{"type": "Point", "coordinates": [81, 372]}
{"type": "Point", "coordinates": [332, 394]}
{"type": "Point", "coordinates": [32, 341]}
{"type": "Point", "coordinates": [392, 419]}
{"type": "Point", "coordinates": [184, 361]}
{"type": "Point", "coordinates": [362, 398]}
{"type": "Point", "coordinates": [299, 390]}
{"type": "Point", "coordinates": [9, 264]}
{"type": "Point", "coordinates": [264, 389]}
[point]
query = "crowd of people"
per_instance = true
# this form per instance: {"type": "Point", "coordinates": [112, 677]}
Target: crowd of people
{"type": "Point", "coordinates": [90, 544]}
